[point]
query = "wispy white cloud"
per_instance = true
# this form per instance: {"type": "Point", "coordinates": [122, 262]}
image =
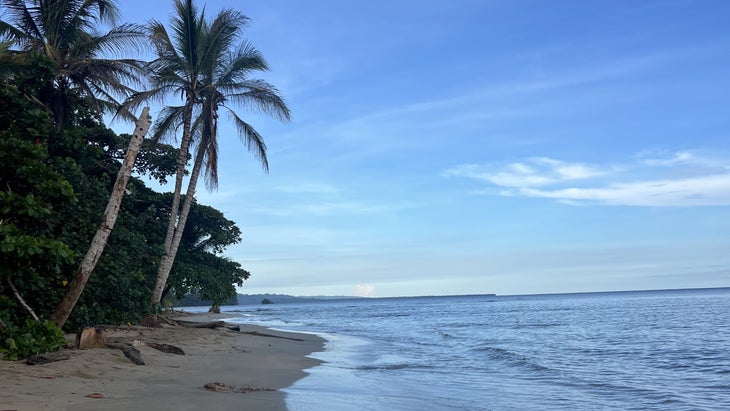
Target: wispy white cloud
{"type": "Point", "coordinates": [693, 180]}
{"type": "Point", "coordinates": [696, 158]}
{"type": "Point", "coordinates": [710, 190]}
{"type": "Point", "coordinates": [534, 172]}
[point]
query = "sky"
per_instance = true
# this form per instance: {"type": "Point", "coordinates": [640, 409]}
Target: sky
{"type": "Point", "coordinates": [465, 147]}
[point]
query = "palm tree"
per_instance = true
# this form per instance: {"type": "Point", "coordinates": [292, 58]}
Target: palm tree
{"type": "Point", "coordinates": [109, 218]}
{"type": "Point", "coordinates": [176, 70]}
{"type": "Point", "coordinates": [64, 31]}
{"type": "Point", "coordinates": [221, 79]}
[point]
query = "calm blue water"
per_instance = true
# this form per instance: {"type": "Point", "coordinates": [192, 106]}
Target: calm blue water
{"type": "Point", "coordinates": [664, 350]}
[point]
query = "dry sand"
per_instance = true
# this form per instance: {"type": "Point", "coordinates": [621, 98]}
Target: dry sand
{"type": "Point", "coordinates": [167, 381]}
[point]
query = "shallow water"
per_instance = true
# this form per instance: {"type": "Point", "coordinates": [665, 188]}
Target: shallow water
{"type": "Point", "coordinates": [628, 351]}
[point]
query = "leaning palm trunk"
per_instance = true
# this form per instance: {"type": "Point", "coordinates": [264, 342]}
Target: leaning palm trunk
{"type": "Point", "coordinates": [60, 316]}
{"type": "Point", "coordinates": [163, 270]}
{"type": "Point", "coordinates": [169, 258]}
{"type": "Point", "coordinates": [181, 161]}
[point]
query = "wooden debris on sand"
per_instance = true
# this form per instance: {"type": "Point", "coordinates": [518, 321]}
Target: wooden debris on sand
{"type": "Point", "coordinates": [46, 358]}
{"type": "Point", "coordinates": [91, 337]}
{"type": "Point", "coordinates": [95, 395]}
{"type": "Point", "coordinates": [193, 324]}
{"type": "Point", "coordinates": [221, 387]}
{"type": "Point", "coordinates": [166, 348]}
{"type": "Point", "coordinates": [130, 352]}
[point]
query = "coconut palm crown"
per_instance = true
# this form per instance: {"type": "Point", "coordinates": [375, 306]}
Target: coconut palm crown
{"type": "Point", "coordinates": [65, 32]}
{"type": "Point", "coordinates": [208, 65]}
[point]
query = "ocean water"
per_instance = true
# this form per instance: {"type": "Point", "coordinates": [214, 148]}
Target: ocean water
{"type": "Point", "coordinates": [658, 350]}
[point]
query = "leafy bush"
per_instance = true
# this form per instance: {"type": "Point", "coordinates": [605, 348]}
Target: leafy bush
{"type": "Point", "coordinates": [34, 337]}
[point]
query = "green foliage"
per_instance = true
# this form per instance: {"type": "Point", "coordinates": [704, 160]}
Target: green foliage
{"type": "Point", "coordinates": [119, 289]}
{"type": "Point", "coordinates": [31, 256]}
{"type": "Point", "coordinates": [213, 278]}
{"type": "Point", "coordinates": [34, 337]}
{"type": "Point", "coordinates": [207, 229]}
{"type": "Point", "coordinates": [67, 34]}
{"type": "Point", "coordinates": [155, 160]}
{"type": "Point", "coordinates": [200, 268]}
{"type": "Point", "coordinates": [58, 163]}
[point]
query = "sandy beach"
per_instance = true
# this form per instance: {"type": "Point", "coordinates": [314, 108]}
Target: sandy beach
{"type": "Point", "coordinates": [259, 365]}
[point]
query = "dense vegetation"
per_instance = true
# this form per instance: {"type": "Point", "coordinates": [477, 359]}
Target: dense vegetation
{"type": "Point", "coordinates": [59, 163]}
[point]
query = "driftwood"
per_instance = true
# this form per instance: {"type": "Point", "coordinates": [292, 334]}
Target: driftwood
{"type": "Point", "coordinates": [166, 348]}
{"type": "Point", "coordinates": [130, 352]}
{"type": "Point", "coordinates": [220, 387]}
{"type": "Point", "coordinates": [46, 358]}
{"type": "Point", "coordinates": [193, 324]}
{"type": "Point", "coordinates": [212, 324]}
{"type": "Point", "coordinates": [270, 335]}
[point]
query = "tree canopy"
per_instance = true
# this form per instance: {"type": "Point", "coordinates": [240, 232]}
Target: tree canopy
{"type": "Point", "coordinates": [59, 161]}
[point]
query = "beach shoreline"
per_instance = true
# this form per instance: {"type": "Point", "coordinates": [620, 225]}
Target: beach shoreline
{"type": "Point", "coordinates": [253, 360]}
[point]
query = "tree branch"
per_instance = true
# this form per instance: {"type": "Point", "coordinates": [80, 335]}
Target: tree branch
{"type": "Point", "coordinates": [22, 301]}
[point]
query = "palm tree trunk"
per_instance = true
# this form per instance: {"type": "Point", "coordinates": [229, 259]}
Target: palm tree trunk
{"type": "Point", "coordinates": [60, 316]}
{"type": "Point", "coordinates": [181, 162]}
{"type": "Point", "coordinates": [162, 270]}
{"type": "Point", "coordinates": [169, 258]}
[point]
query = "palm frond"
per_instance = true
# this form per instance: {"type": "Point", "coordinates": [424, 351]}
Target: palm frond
{"type": "Point", "coordinates": [262, 96]}
{"type": "Point", "coordinates": [220, 37]}
{"type": "Point", "coordinates": [239, 66]}
{"type": "Point", "coordinates": [251, 139]}
{"type": "Point", "coordinates": [120, 41]}
{"type": "Point", "coordinates": [207, 128]}
{"type": "Point", "coordinates": [170, 118]}
{"type": "Point", "coordinates": [25, 28]}
{"type": "Point", "coordinates": [65, 31]}
{"type": "Point", "coordinates": [211, 165]}
{"type": "Point", "coordinates": [188, 31]}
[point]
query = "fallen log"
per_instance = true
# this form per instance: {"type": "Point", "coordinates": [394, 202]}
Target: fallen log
{"type": "Point", "coordinates": [166, 348]}
{"type": "Point", "coordinates": [45, 358]}
{"type": "Point", "coordinates": [130, 352]}
{"type": "Point", "coordinates": [221, 387]}
{"type": "Point", "coordinates": [193, 324]}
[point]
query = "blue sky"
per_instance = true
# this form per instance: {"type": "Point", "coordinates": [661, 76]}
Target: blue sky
{"type": "Point", "coordinates": [502, 147]}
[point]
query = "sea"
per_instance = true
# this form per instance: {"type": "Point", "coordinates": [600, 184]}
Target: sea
{"type": "Point", "coordinates": [647, 350]}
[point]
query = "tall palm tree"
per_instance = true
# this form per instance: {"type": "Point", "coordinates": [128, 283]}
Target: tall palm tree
{"type": "Point", "coordinates": [176, 70]}
{"type": "Point", "coordinates": [221, 80]}
{"type": "Point", "coordinates": [65, 32]}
